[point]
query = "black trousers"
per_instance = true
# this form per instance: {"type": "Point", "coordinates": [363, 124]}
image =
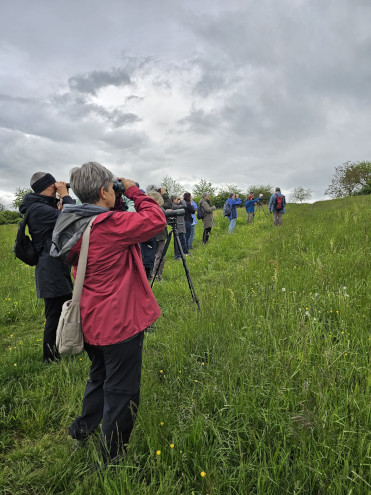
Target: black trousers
{"type": "Point", "coordinates": [111, 395]}
{"type": "Point", "coordinates": [53, 309]}
{"type": "Point", "coordinates": [206, 235]}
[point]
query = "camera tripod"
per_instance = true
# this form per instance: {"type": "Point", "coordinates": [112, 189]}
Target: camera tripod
{"type": "Point", "coordinates": [260, 208]}
{"type": "Point", "coordinates": [172, 224]}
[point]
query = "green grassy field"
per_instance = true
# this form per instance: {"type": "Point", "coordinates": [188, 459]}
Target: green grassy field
{"type": "Point", "coordinates": [264, 392]}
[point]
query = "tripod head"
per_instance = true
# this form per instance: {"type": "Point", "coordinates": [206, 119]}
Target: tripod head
{"type": "Point", "coordinates": [172, 215]}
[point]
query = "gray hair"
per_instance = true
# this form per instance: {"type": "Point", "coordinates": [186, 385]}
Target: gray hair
{"type": "Point", "coordinates": [87, 180]}
{"type": "Point", "coordinates": [205, 194]}
{"type": "Point", "coordinates": [36, 176]}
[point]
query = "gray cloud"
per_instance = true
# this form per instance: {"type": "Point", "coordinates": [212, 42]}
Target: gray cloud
{"type": "Point", "coordinates": [278, 92]}
{"type": "Point", "coordinates": [95, 80]}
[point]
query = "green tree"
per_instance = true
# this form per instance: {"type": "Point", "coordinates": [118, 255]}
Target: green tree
{"type": "Point", "coordinates": [172, 186]}
{"type": "Point", "coordinates": [223, 194]}
{"type": "Point", "coordinates": [19, 194]}
{"type": "Point", "coordinates": [300, 194]}
{"type": "Point", "coordinates": [365, 189]}
{"type": "Point", "coordinates": [266, 191]}
{"type": "Point", "coordinates": [349, 178]}
{"type": "Point", "coordinates": [202, 187]}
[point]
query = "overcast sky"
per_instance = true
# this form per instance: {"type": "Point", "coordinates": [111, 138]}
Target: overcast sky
{"type": "Point", "coordinates": [240, 92]}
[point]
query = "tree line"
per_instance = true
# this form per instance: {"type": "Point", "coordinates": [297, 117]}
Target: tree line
{"type": "Point", "coordinates": [350, 178]}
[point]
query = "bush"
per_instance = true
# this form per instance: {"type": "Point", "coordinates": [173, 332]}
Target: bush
{"type": "Point", "coordinates": [8, 216]}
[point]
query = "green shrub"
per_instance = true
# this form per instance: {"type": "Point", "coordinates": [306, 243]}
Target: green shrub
{"type": "Point", "coordinates": [8, 216]}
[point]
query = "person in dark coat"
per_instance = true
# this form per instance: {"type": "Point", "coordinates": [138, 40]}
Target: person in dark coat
{"type": "Point", "coordinates": [178, 204]}
{"type": "Point", "coordinates": [208, 221]}
{"type": "Point", "coordinates": [160, 238]}
{"type": "Point", "coordinates": [52, 276]}
{"type": "Point", "coordinates": [188, 219]}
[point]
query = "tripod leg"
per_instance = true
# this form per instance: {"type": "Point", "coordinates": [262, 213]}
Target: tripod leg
{"type": "Point", "coordinates": [163, 254]}
{"type": "Point", "coordinates": [188, 275]}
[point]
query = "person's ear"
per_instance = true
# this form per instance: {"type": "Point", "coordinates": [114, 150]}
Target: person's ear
{"type": "Point", "coordinates": [102, 193]}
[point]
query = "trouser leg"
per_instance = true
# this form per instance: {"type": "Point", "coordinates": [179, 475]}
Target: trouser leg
{"type": "Point", "coordinates": [188, 233]}
{"type": "Point", "coordinates": [176, 249]}
{"type": "Point", "coordinates": [206, 235]}
{"type": "Point", "coordinates": [191, 237]}
{"type": "Point", "coordinates": [232, 225]}
{"type": "Point", "coordinates": [183, 242]}
{"type": "Point", "coordinates": [159, 248]}
{"type": "Point", "coordinates": [93, 401]}
{"type": "Point", "coordinates": [53, 308]}
{"type": "Point", "coordinates": [121, 394]}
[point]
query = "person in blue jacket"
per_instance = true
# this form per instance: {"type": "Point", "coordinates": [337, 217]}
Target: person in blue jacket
{"type": "Point", "coordinates": [233, 201]}
{"type": "Point", "coordinates": [250, 206]}
{"type": "Point", "coordinates": [274, 208]}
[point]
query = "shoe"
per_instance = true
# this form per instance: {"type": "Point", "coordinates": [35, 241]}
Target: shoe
{"type": "Point", "coordinates": [187, 254]}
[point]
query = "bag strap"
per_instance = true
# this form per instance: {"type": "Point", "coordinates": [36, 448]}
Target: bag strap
{"type": "Point", "coordinates": [81, 265]}
{"type": "Point", "coordinates": [28, 211]}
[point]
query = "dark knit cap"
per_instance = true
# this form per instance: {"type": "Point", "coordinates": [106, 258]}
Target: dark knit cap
{"type": "Point", "coordinates": [42, 183]}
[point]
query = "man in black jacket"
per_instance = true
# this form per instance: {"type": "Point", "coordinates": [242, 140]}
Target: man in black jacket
{"type": "Point", "coordinates": [53, 278]}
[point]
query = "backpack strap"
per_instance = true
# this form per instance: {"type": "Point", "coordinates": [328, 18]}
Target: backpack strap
{"type": "Point", "coordinates": [28, 211]}
{"type": "Point", "coordinates": [81, 265]}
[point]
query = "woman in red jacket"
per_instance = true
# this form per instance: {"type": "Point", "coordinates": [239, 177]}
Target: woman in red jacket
{"type": "Point", "coordinates": [117, 303]}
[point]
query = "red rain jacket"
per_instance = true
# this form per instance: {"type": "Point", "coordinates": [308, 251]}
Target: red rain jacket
{"type": "Point", "coordinates": [117, 301]}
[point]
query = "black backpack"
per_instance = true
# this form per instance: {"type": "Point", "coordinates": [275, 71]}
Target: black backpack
{"type": "Point", "coordinates": [23, 247]}
{"type": "Point", "coordinates": [200, 212]}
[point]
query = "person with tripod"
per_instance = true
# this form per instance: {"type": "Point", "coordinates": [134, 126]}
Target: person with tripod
{"type": "Point", "coordinates": [177, 204]}
{"type": "Point", "coordinates": [250, 206]}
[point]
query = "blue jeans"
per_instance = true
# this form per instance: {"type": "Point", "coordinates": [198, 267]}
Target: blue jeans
{"type": "Point", "coordinates": [191, 237]}
{"type": "Point", "coordinates": [188, 226]}
{"type": "Point", "coordinates": [232, 225]}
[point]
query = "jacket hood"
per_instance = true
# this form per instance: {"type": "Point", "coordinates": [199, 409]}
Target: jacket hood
{"type": "Point", "coordinates": [69, 228]}
{"type": "Point", "coordinates": [32, 198]}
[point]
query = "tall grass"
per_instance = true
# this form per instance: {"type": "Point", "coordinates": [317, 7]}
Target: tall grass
{"type": "Point", "coordinates": [263, 392]}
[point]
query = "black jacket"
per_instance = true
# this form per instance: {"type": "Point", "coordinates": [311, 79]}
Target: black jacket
{"type": "Point", "coordinates": [188, 212]}
{"type": "Point", "coordinates": [53, 277]}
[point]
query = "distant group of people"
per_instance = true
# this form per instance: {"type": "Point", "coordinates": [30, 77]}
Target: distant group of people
{"type": "Point", "coordinates": [126, 247]}
{"type": "Point", "coordinates": [276, 206]}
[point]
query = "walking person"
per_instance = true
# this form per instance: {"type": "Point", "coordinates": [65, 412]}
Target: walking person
{"type": "Point", "coordinates": [117, 303]}
{"type": "Point", "coordinates": [250, 206]}
{"type": "Point", "coordinates": [52, 277]}
{"type": "Point", "coordinates": [208, 221]}
{"type": "Point", "coordinates": [234, 200]}
{"type": "Point", "coordinates": [276, 206]}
